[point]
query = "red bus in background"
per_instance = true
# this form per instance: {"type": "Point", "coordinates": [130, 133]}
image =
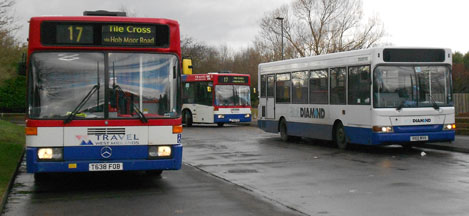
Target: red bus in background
{"type": "Point", "coordinates": [216, 98]}
{"type": "Point", "coordinates": [103, 94]}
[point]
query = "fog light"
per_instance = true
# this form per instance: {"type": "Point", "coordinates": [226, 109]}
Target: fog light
{"type": "Point", "coordinates": [153, 151]}
{"type": "Point", "coordinates": [221, 116]}
{"type": "Point", "coordinates": [383, 129]}
{"type": "Point", "coordinates": [449, 127]}
{"type": "Point", "coordinates": [50, 154]}
{"type": "Point", "coordinates": [159, 151]}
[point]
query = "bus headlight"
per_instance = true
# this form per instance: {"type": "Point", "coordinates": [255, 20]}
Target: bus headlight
{"type": "Point", "coordinates": [221, 116]}
{"type": "Point", "coordinates": [247, 116]}
{"type": "Point", "coordinates": [449, 127]}
{"type": "Point", "coordinates": [159, 151]}
{"type": "Point", "coordinates": [383, 129]}
{"type": "Point", "coordinates": [50, 153]}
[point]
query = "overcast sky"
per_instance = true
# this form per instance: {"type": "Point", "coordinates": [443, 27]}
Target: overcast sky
{"type": "Point", "coordinates": [434, 23]}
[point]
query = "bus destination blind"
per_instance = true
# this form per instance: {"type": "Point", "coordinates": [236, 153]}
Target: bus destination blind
{"type": "Point", "coordinates": [104, 34]}
{"type": "Point", "coordinates": [74, 34]}
{"type": "Point", "coordinates": [233, 79]}
{"type": "Point", "coordinates": [128, 35]}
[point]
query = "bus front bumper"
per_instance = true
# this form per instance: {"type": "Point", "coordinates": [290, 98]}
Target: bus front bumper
{"type": "Point", "coordinates": [395, 138]}
{"type": "Point", "coordinates": [231, 118]}
{"type": "Point", "coordinates": [35, 166]}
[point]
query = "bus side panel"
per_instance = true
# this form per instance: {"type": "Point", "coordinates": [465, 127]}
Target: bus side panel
{"type": "Point", "coordinates": [268, 125]}
{"type": "Point", "coordinates": [357, 124]}
{"type": "Point", "coordinates": [358, 135]}
{"type": "Point", "coordinates": [202, 114]}
{"type": "Point", "coordinates": [315, 131]}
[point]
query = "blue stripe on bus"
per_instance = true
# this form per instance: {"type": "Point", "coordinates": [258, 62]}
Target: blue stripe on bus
{"type": "Point", "coordinates": [390, 138]}
{"type": "Point", "coordinates": [268, 125]}
{"type": "Point", "coordinates": [94, 152]}
{"type": "Point", "coordinates": [235, 117]}
{"type": "Point", "coordinates": [174, 163]}
{"type": "Point", "coordinates": [316, 131]}
{"type": "Point", "coordinates": [358, 135]}
{"type": "Point", "coordinates": [420, 128]}
{"type": "Point", "coordinates": [363, 136]}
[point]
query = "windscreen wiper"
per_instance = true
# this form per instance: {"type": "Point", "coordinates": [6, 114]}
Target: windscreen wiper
{"type": "Point", "coordinates": [81, 104]}
{"type": "Point", "coordinates": [141, 116]}
{"type": "Point", "coordinates": [435, 105]}
{"type": "Point", "coordinates": [401, 105]}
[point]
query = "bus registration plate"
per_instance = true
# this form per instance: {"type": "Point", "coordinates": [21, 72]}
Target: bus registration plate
{"type": "Point", "coordinates": [419, 138]}
{"type": "Point", "coordinates": [105, 166]}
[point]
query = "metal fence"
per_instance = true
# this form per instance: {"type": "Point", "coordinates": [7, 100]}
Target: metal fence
{"type": "Point", "coordinates": [461, 102]}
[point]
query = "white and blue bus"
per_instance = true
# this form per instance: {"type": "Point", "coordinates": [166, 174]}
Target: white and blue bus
{"type": "Point", "coordinates": [376, 96]}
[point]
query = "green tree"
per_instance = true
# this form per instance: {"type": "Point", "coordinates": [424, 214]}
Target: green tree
{"type": "Point", "coordinates": [10, 49]}
{"type": "Point", "coordinates": [466, 60]}
{"type": "Point", "coordinates": [13, 95]}
{"type": "Point", "coordinates": [458, 58]}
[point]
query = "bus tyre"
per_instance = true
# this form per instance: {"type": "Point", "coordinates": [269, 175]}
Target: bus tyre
{"type": "Point", "coordinates": [283, 131]}
{"type": "Point", "coordinates": [220, 124]}
{"type": "Point", "coordinates": [339, 136]}
{"type": "Point", "coordinates": [187, 118]}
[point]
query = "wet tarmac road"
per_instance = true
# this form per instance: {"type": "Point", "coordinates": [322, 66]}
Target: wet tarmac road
{"type": "Point", "coordinates": [240, 170]}
{"type": "Point", "coordinates": [185, 192]}
{"type": "Point", "coordinates": [315, 178]}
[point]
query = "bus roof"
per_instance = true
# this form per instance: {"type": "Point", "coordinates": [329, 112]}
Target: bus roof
{"type": "Point", "coordinates": [365, 56]}
{"type": "Point", "coordinates": [35, 34]}
{"type": "Point", "coordinates": [105, 19]}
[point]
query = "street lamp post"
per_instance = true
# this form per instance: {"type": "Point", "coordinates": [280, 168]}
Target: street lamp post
{"type": "Point", "coordinates": [281, 26]}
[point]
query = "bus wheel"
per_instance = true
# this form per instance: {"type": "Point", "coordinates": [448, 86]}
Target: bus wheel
{"type": "Point", "coordinates": [339, 136]}
{"type": "Point", "coordinates": [220, 124]}
{"type": "Point", "coordinates": [187, 118]}
{"type": "Point", "coordinates": [283, 131]}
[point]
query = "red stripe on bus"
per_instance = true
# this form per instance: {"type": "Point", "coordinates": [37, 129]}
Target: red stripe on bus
{"type": "Point", "coordinates": [102, 123]}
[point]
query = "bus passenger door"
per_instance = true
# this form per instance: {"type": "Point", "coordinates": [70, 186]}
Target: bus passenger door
{"type": "Point", "coordinates": [270, 99]}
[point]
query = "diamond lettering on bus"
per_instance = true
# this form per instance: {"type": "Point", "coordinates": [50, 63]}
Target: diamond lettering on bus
{"type": "Point", "coordinates": [312, 113]}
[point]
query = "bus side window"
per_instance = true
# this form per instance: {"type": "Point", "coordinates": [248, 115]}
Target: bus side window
{"type": "Point", "coordinates": [263, 86]}
{"type": "Point", "coordinates": [338, 85]}
{"type": "Point", "coordinates": [359, 85]}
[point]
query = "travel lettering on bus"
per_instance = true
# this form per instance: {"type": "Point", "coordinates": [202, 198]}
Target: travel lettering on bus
{"type": "Point", "coordinates": [105, 137]}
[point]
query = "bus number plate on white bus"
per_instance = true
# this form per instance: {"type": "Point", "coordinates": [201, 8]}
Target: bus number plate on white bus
{"type": "Point", "coordinates": [105, 166]}
{"type": "Point", "coordinates": [419, 138]}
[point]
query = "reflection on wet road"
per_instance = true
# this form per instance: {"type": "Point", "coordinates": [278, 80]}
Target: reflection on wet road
{"type": "Point", "coordinates": [313, 177]}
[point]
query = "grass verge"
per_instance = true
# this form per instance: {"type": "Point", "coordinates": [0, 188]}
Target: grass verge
{"type": "Point", "coordinates": [12, 142]}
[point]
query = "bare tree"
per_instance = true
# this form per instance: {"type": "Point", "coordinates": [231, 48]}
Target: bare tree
{"type": "Point", "coordinates": [10, 48]}
{"type": "Point", "coordinates": [128, 12]}
{"type": "Point", "coordinates": [6, 18]}
{"type": "Point", "coordinates": [315, 27]}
